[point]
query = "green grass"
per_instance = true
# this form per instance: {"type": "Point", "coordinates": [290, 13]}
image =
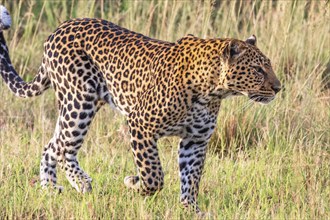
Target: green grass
{"type": "Point", "coordinates": [264, 162]}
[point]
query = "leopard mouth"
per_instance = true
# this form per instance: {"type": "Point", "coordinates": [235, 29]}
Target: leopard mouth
{"type": "Point", "coordinates": [262, 99]}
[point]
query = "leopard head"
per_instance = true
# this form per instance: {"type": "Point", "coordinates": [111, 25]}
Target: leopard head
{"type": "Point", "coordinates": [248, 71]}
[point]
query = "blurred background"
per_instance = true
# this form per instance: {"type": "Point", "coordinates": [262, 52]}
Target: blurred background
{"type": "Point", "coordinates": [264, 161]}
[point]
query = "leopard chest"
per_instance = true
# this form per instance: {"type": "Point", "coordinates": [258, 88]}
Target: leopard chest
{"type": "Point", "coordinates": [198, 122]}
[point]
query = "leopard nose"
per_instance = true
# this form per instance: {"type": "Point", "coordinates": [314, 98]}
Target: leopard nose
{"type": "Point", "coordinates": [276, 88]}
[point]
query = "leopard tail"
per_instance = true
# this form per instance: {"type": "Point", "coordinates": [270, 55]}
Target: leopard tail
{"type": "Point", "coordinates": [15, 83]}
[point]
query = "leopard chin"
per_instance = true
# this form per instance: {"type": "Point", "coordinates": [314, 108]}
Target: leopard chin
{"type": "Point", "coordinates": [261, 98]}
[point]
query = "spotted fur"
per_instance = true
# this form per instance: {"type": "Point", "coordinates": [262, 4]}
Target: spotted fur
{"type": "Point", "coordinates": [162, 88]}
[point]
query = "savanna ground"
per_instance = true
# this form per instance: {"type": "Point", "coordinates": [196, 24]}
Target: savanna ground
{"type": "Point", "coordinates": [264, 162]}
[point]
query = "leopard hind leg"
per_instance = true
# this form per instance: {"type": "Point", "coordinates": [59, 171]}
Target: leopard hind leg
{"type": "Point", "coordinates": [76, 112]}
{"type": "Point", "coordinates": [49, 161]}
{"type": "Point", "coordinates": [74, 125]}
{"type": "Point", "coordinates": [62, 149]}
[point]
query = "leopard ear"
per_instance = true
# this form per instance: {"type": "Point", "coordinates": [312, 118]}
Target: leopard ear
{"type": "Point", "coordinates": [232, 50]}
{"type": "Point", "coordinates": [252, 40]}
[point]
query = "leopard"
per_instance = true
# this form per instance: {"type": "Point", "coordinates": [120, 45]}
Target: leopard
{"type": "Point", "coordinates": [162, 88]}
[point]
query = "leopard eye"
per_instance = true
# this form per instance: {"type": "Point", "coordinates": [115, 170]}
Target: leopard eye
{"type": "Point", "coordinates": [260, 70]}
{"type": "Point", "coordinates": [267, 65]}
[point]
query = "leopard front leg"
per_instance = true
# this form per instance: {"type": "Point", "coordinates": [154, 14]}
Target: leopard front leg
{"type": "Point", "coordinates": [191, 161]}
{"type": "Point", "coordinates": [192, 152]}
{"type": "Point", "coordinates": [150, 178]}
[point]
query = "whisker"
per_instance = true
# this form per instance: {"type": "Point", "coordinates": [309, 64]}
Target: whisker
{"type": "Point", "coordinates": [248, 105]}
{"type": "Point", "coordinates": [244, 106]}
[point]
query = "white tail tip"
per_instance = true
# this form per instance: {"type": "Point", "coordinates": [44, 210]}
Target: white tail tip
{"type": "Point", "coordinates": [5, 19]}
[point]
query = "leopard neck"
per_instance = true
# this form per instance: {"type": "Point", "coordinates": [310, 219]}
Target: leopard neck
{"type": "Point", "coordinates": [200, 64]}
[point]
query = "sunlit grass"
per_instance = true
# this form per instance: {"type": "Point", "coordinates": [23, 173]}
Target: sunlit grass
{"type": "Point", "coordinates": [264, 162]}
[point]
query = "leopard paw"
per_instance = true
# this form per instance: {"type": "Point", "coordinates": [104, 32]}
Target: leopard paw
{"type": "Point", "coordinates": [132, 182]}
